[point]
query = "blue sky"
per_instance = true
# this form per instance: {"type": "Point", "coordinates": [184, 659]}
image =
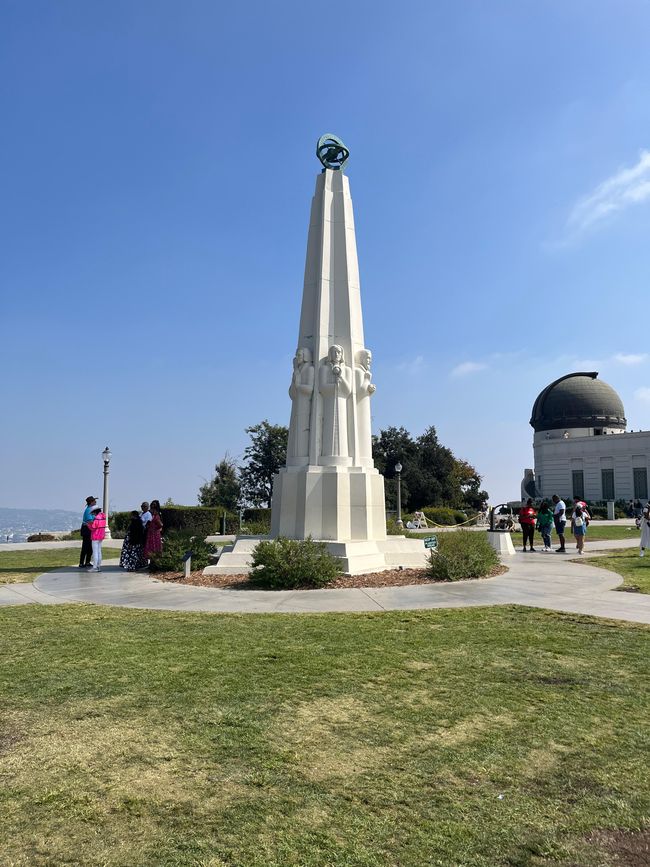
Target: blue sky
{"type": "Point", "coordinates": [157, 165]}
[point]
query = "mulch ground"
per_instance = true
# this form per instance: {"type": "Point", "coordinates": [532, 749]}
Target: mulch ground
{"type": "Point", "coordinates": [389, 578]}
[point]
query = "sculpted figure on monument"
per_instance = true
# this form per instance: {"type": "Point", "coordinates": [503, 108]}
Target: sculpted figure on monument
{"type": "Point", "coordinates": [364, 389]}
{"type": "Point", "coordinates": [335, 387]}
{"type": "Point", "coordinates": [300, 392]}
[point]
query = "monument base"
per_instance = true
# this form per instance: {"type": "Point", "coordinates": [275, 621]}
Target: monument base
{"type": "Point", "coordinates": [332, 503]}
{"type": "Point", "coordinates": [357, 557]}
{"type": "Point", "coordinates": [501, 542]}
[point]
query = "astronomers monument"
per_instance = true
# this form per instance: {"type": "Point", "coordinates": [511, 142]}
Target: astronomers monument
{"type": "Point", "coordinates": [330, 489]}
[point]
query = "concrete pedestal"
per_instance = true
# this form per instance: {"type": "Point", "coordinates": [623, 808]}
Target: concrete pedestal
{"type": "Point", "coordinates": [356, 557]}
{"type": "Point", "coordinates": [331, 503]}
{"type": "Point", "coordinates": [501, 542]}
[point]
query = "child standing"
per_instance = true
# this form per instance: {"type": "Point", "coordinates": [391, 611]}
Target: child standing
{"type": "Point", "coordinates": [545, 525]}
{"type": "Point", "coordinates": [579, 527]}
{"type": "Point", "coordinates": [97, 535]}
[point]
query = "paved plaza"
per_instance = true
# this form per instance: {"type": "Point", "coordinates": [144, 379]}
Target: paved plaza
{"type": "Point", "coordinates": [540, 581]}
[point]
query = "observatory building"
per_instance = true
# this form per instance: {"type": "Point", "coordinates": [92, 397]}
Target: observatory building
{"type": "Point", "coordinates": [581, 446]}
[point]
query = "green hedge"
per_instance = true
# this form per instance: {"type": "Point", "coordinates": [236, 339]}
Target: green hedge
{"type": "Point", "coordinates": [200, 520]}
{"type": "Point", "coordinates": [445, 516]}
{"type": "Point", "coordinates": [462, 554]}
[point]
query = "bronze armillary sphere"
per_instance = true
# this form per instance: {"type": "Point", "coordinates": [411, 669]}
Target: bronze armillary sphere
{"type": "Point", "coordinates": [331, 151]}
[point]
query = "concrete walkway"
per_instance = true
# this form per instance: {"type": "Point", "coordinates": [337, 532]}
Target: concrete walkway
{"type": "Point", "coordinates": [537, 580]}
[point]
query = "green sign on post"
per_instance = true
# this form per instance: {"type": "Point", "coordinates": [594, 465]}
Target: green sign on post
{"type": "Point", "coordinates": [431, 542]}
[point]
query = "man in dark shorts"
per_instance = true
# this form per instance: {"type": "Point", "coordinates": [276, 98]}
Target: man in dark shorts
{"type": "Point", "coordinates": [86, 542]}
{"type": "Point", "coordinates": [559, 519]}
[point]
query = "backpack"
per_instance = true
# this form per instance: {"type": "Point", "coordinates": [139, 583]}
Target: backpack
{"type": "Point", "coordinates": [577, 521]}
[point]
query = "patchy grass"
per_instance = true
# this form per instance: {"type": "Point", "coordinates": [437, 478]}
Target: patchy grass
{"type": "Point", "coordinates": [479, 737]}
{"type": "Point", "coordinates": [626, 562]}
{"type": "Point", "coordinates": [23, 566]}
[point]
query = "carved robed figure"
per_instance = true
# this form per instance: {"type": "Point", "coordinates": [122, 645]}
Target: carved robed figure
{"type": "Point", "coordinates": [335, 385]}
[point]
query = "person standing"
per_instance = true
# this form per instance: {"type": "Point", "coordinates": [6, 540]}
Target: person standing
{"type": "Point", "coordinates": [132, 557]}
{"type": "Point", "coordinates": [645, 530]}
{"type": "Point", "coordinates": [86, 541]}
{"type": "Point", "coordinates": [559, 519]}
{"type": "Point", "coordinates": [527, 516]}
{"type": "Point", "coordinates": [97, 534]}
{"type": "Point", "coordinates": [545, 525]}
{"type": "Point", "coordinates": [579, 528]}
{"type": "Point", "coordinates": [153, 542]}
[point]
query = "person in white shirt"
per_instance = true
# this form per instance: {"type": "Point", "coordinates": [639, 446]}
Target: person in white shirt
{"type": "Point", "coordinates": [559, 519]}
{"type": "Point", "coordinates": [145, 514]}
{"type": "Point", "coordinates": [645, 530]}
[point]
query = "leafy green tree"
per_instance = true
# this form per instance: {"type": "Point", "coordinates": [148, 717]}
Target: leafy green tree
{"type": "Point", "coordinates": [264, 457]}
{"type": "Point", "coordinates": [431, 474]}
{"type": "Point", "coordinates": [223, 489]}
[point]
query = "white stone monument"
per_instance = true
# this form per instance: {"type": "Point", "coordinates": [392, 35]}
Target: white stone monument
{"type": "Point", "coordinates": [330, 489]}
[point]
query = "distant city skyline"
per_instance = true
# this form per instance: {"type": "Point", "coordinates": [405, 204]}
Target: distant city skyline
{"type": "Point", "coordinates": [158, 171]}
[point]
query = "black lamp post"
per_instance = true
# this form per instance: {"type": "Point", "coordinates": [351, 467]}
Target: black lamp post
{"type": "Point", "coordinates": [106, 456]}
{"type": "Point", "coordinates": [398, 470]}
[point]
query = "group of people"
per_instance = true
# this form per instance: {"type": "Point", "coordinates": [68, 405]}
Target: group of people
{"type": "Point", "coordinates": [552, 516]}
{"type": "Point", "coordinates": [143, 539]}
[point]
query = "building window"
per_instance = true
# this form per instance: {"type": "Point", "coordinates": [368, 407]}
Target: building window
{"type": "Point", "coordinates": [578, 485]}
{"type": "Point", "coordinates": [607, 478]}
{"type": "Point", "coordinates": [641, 483]}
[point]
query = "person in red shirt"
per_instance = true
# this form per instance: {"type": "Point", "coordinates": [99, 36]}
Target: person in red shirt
{"type": "Point", "coordinates": [527, 518]}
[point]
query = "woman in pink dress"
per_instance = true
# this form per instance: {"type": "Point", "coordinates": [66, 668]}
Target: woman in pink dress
{"type": "Point", "coordinates": [153, 544]}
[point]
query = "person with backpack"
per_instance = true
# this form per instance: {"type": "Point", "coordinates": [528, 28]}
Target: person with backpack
{"type": "Point", "coordinates": [579, 527]}
{"type": "Point", "coordinates": [545, 525]}
{"type": "Point", "coordinates": [527, 515]}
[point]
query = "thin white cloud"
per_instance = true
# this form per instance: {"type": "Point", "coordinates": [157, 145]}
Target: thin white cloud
{"type": "Point", "coordinates": [643, 394]}
{"type": "Point", "coordinates": [625, 188]}
{"type": "Point", "coordinates": [467, 368]}
{"type": "Point", "coordinates": [630, 358]}
{"type": "Point", "coordinates": [412, 366]}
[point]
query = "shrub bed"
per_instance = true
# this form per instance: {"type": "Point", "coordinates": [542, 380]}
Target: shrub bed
{"type": "Point", "coordinates": [175, 544]}
{"type": "Point", "coordinates": [444, 515]}
{"type": "Point", "coordinates": [462, 554]}
{"type": "Point", "coordinates": [282, 564]}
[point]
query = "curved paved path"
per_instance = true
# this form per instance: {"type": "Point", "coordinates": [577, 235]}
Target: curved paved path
{"type": "Point", "coordinates": [541, 581]}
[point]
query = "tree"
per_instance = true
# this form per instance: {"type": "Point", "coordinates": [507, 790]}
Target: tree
{"type": "Point", "coordinates": [264, 457]}
{"type": "Point", "coordinates": [224, 489]}
{"type": "Point", "coordinates": [431, 474]}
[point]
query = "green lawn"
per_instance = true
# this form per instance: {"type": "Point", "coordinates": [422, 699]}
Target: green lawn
{"type": "Point", "coordinates": [594, 534]}
{"type": "Point", "coordinates": [488, 736]}
{"type": "Point", "coordinates": [634, 569]}
{"type": "Point", "coordinates": [21, 566]}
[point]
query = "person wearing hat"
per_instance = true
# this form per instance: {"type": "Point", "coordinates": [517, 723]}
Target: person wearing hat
{"type": "Point", "coordinates": [97, 534]}
{"type": "Point", "coordinates": [86, 541]}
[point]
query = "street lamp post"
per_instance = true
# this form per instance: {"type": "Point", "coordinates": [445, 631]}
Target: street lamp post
{"type": "Point", "coordinates": [398, 470]}
{"type": "Point", "coordinates": [106, 455]}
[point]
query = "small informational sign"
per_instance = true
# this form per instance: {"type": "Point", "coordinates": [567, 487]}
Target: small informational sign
{"type": "Point", "coordinates": [187, 560]}
{"type": "Point", "coordinates": [186, 556]}
{"type": "Point", "coordinates": [431, 542]}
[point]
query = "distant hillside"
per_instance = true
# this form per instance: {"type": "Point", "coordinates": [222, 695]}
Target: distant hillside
{"type": "Point", "coordinates": [18, 524]}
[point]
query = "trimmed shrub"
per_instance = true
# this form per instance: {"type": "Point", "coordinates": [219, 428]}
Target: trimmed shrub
{"type": "Point", "coordinates": [462, 554]}
{"type": "Point", "coordinates": [41, 537]}
{"type": "Point", "coordinates": [175, 544]}
{"type": "Point", "coordinates": [282, 564]}
{"type": "Point", "coordinates": [196, 520]}
{"type": "Point", "coordinates": [444, 515]}
{"type": "Point", "coordinates": [119, 524]}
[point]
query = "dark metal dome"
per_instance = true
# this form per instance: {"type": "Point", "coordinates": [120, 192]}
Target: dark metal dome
{"type": "Point", "coordinates": [578, 400]}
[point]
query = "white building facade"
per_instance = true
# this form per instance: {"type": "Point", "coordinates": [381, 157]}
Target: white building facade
{"type": "Point", "coordinates": [581, 446]}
